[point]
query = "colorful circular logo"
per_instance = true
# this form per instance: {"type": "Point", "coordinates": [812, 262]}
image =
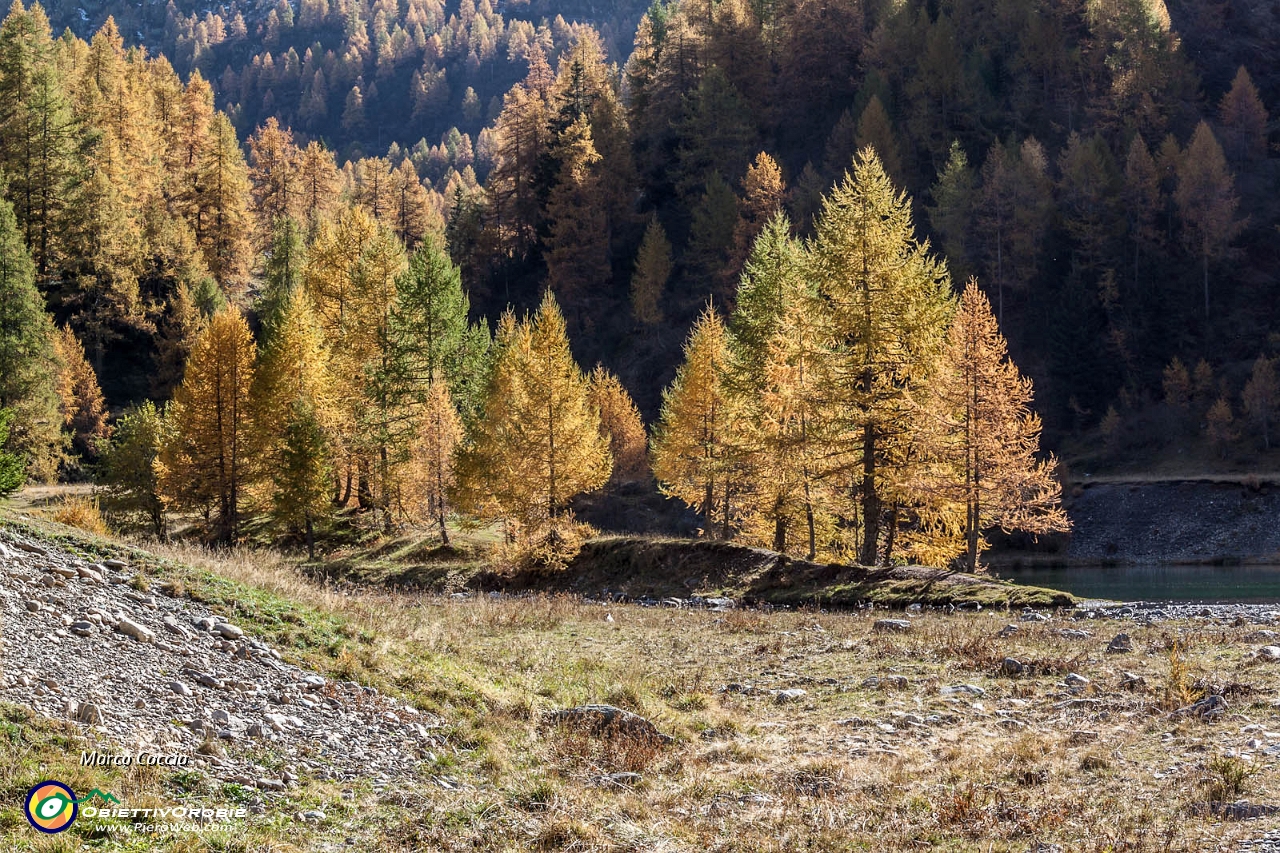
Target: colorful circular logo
{"type": "Point", "coordinates": [51, 807]}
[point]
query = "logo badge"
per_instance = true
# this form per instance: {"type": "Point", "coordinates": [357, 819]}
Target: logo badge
{"type": "Point", "coordinates": [51, 807]}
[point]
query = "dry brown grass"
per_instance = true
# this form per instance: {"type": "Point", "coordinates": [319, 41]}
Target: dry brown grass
{"type": "Point", "coordinates": [81, 512]}
{"type": "Point", "coordinates": [845, 767]}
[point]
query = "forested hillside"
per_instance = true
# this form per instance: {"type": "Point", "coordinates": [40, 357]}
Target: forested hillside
{"type": "Point", "coordinates": [204, 197]}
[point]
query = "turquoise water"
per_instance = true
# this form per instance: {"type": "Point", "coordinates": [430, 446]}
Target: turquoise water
{"type": "Point", "coordinates": [1208, 584]}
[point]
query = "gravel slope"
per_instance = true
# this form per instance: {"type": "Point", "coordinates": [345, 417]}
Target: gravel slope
{"type": "Point", "coordinates": [142, 671]}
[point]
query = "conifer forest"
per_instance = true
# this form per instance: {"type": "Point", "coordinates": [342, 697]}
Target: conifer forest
{"type": "Point", "coordinates": [854, 281]}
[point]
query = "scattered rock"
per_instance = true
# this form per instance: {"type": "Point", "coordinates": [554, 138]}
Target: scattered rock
{"type": "Point", "coordinates": [1076, 680]}
{"type": "Point", "coordinates": [89, 714]}
{"type": "Point", "coordinates": [81, 628]}
{"type": "Point", "coordinates": [621, 780]}
{"type": "Point", "coordinates": [89, 574]}
{"type": "Point", "coordinates": [891, 626]}
{"type": "Point", "coordinates": [118, 565]}
{"type": "Point", "coordinates": [607, 721]}
{"type": "Point", "coordinates": [1269, 653]}
{"type": "Point", "coordinates": [956, 689]}
{"type": "Point", "coordinates": [139, 632]}
{"type": "Point", "coordinates": [1261, 637]}
{"type": "Point", "coordinates": [1008, 630]}
{"type": "Point", "coordinates": [793, 694]}
{"type": "Point", "coordinates": [179, 688]}
{"type": "Point", "coordinates": [229, 631]}
{"type": "Point", "coordinates": [1208, 708]}
{"type": "Point", "coordinates": [275, 785]}
{"type": "Point", "coordinates": [1120, 643]}
{"type": "Point", "coordinates": [1080, 737]}
{"type": "Point", "coordinates": [1033, 616]}
{"type": "Point", "coordinates": [312, 816]}
{"type": "Point", "coordinates": [1129, 681]}
{"type": "Point", "coordinates": [1075, 634]}
{"type": "Point", "coordinates": [1012, 666]}
{"type": "Point", "coordinates": [33, 606]}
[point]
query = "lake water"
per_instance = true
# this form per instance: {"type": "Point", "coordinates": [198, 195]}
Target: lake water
{"type": "Point", "coordinates": [1209, 584]}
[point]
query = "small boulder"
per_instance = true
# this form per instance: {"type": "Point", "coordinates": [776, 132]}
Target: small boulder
{"type": "Point", "coordinates": [1208, 708]}
{"type": "Point", "coordinates": [1075, 680]}
{"type": "Point", "coordinates": [1269, 653]}
{"type": "Point", "coordinates": [81, 628]}
{"type": "Point", "coordinates": [229, 631]}
{"type": "Point", "coordinates": [957, 689]}
{"type": "Point", "coordinates": [1012, 666]}
{"type": "Point", "coordinates": [89, 714]}
{"type": "Point", "coordinates": [1129, 681]}
{"type": "Point", "coordinates": [1119, 644]}
{"type": "Point", "coordinates": [793, 694]}
{"type": "Point", "coordinates": [139, 632]}
{"type": "Point", "coordinates": [621, 780]}
{"type": "Point", "coordinates": [607, 721]}
{"type": "Point", "coordinates": [891, 626]}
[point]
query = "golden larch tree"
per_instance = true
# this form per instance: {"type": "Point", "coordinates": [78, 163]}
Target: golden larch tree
{"type": "Point", "coordinates": [653, 268]}
{"type": "Point", "coordinates": [538, 441]}
{"type": "Point", "coordinates": [1207, 201]}
{"type": "Point", "coordinates": [980, 428]}
{"type": "Point", "coordinates": [889, 304]}
{"type": "Point", "coordinates": [431, 475]}
{"type": "Point", "coordinates": [691, 446]}
{"type": "Point", "coordinates": [621, 424]}
{"type": "Point", "coordinates": [779, 342]}
{"type": "Point", "coordinates": [204, 463]}
{"type": "Point", "coordinates": [84, 412]}
{"type": "Point", "coordinates": [1262, 396]}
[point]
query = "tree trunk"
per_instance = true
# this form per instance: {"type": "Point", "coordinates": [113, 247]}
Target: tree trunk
{"type": "Point", "coordinates": [779, 534]}
{"type": "Point", "coordinates": [311, 539]}
{"type": "Point", "coordinates": [891, 535]}
{"type": "Point", "coordinates": [870, 500]}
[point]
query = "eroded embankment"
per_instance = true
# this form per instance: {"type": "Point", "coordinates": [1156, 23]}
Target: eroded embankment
{"type": "Point", "coordinates": [662, 568]}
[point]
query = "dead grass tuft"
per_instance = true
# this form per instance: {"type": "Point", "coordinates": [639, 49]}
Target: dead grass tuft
{"type": "Point", "coordinates": [83, 513]}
